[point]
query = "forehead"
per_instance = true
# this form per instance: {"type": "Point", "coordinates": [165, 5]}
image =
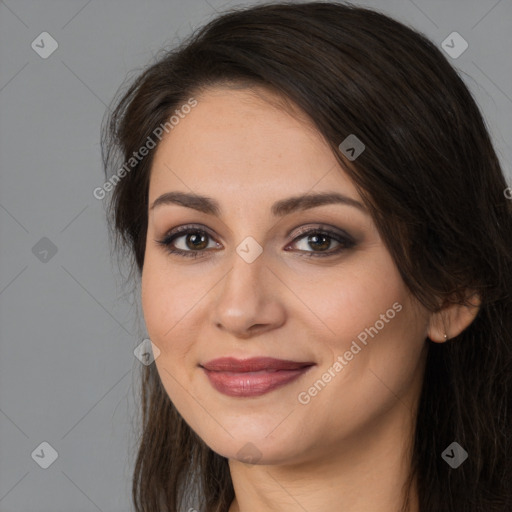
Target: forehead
{"type": "Point", "coordinates": [243, 141]}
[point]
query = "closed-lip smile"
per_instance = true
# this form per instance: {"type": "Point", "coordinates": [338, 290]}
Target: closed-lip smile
{"type": "Point", "coordinates": [252, 377]}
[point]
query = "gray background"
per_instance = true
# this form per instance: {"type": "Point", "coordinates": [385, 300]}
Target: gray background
{"type": "Point", "coordinates": [68, 327]}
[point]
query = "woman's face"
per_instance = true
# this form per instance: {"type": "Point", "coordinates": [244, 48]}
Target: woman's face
{"type": "Point", "coordinates": [259, 286]}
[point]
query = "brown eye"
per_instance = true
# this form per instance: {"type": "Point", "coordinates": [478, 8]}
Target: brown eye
{"type": "Point", "coordinates": [195, 241]}
{"type": "Point", "coordinates": [315, 242]}
{"type": "Point", "coordinates": [320, 241]}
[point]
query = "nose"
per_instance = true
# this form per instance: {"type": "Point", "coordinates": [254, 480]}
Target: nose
{"type": "Point", "coordinates": [248, 301]}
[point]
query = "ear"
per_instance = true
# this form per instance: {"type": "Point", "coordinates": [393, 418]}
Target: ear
{"type": "Point", "coordinates": [452, 318]}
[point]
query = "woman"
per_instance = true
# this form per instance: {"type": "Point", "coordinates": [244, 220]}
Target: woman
{"type": "Point", "coordinates": [318, 218]}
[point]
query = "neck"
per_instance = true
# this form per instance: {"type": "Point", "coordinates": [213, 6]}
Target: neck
{"type": "Point", "coordinates": [368, 472]}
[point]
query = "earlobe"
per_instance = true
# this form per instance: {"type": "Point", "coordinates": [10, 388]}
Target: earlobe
{"type": "Point", "coordinates": [453, 318]}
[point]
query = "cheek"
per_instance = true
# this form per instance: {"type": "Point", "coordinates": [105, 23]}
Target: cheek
{"type": "Point", "coordinates": [165, 299]}
{"type": "Point", "coordinates": [343, 303]}
{"type": "Point", "coordinates": [155, 302]}
{"type": "Point", "coordinates": [168, 298]}
{"type": "Point", "coordinates": [173, 300]}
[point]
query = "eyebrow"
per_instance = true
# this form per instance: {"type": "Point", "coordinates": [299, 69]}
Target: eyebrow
{"type": "Point", "coordinates": [280, 208]}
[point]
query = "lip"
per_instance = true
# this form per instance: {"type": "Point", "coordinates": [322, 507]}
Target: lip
{"type": "Point", "coordinates": [253, 364]}
{"type": "Point", "coordinates": [252, 377]}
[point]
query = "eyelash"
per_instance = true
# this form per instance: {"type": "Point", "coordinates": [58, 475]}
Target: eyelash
{"type": "Point", "coordinates": [346, 242]}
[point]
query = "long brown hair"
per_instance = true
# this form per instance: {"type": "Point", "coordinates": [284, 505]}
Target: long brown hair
{"type": "Point", "coordinates": [435, 189]}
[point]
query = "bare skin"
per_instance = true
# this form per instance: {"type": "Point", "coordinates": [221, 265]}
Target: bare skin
{"type": "Point", "coordinates": [348, 447]}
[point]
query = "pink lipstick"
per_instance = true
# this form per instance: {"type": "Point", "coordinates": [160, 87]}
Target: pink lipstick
{"type": "Point", "coordinates": [252, 377]}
